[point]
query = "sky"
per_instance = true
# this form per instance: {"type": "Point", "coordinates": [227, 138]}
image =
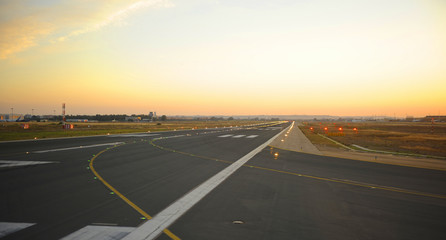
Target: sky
{"type": "Point", "coordinates": [227, 57]}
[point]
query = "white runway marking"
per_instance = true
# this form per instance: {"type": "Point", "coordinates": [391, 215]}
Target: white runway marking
{"type": "Point", "coordinates": [100, 232]}
{"type": "Point", "coordinates": [238, 136]}
{"type": "Point", "coordinates": [134, 135]}
{"type": "Point", "coordinates": [72, 148]}
{"type": "Point", "coordinates": [175, 136]}
{"type": "Point", "coordinates": [152, 228]}
{"type": "Point", "coordinates": [10, 227]}
{"type": "Point", "coordinates": [227, 135]}
{"type": "Point", "coordinates": [252, 136]}
{"type": "Point", "coordinates": [273, 128]}
{"type": "Point", "coordinates": [9, 163]}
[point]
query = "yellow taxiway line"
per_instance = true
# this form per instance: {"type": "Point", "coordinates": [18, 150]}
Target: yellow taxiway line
{"type": "Point", "coordinates": [366, 185]}
{"type": "Point", "coordinates": [113, 190]}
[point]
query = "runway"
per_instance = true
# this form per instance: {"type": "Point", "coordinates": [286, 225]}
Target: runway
{"type": "Point", "coordinates": [288, 195]}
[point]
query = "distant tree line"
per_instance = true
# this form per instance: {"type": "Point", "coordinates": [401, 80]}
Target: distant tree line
{"type": "Point", "coordinates": [125, 117]}
{"type": "Point", "coordinates": [99, 117]}
{"type": "Point", "coordinates": [111, 117]}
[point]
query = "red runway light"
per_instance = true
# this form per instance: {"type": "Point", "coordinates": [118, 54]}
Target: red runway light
{"type": "Point", "coordinates": [340, 129]}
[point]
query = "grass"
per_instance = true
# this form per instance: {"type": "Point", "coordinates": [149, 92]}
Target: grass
{"type": "Point", "coordinates": [14, 131]}
{"type": "Point", "coordinates": [403, 137]}
{"type": "Point", "coordinates": [316, 139]}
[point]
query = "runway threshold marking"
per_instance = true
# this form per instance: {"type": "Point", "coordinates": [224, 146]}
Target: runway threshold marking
{"type": "Point", "coordinates": [227, 135]}
{"type": "Point", "coordinates": [252, 136]}
{"type": "Point", "coordinates": [152, 228]}
{"type": "Point", "coordinates": [72, 148]}
{"type": "Point", "coordinates": [115, 191]}
{"type": "Point", "coordinates": [238, 136]}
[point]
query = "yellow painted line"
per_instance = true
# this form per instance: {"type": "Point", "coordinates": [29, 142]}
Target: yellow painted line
{"type": "Point", "coordinates": [353, 183]}
{"type": "Point", "coordinates": [134, 206]}
{"type": "Point", "coordinates": [170, 234]}
{"type": "Point", "coordinates": [370, 186]}
{"type": "Point", "coordinates": [188, 154]}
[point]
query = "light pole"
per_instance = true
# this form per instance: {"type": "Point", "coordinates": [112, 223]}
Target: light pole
{"type": "Point", "coordinates": [12, 113]}
{"type": "Point", "coordinates": [32, 112]}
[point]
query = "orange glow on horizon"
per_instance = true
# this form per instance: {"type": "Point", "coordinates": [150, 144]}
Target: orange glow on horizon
{"type": "Point", "coordinates": [126, 57]}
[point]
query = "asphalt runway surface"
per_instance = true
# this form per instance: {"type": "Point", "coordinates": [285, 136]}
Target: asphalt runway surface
{"type": "Point", "coordinates": [277, 194]}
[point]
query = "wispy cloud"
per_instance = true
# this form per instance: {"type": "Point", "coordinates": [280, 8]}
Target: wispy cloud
{"type": "Point", "coordinates": [24, 25]}
{"type": "Point", "coordinates": [20, 34]}
{"type": "Point", "coordinates": [118, 17]}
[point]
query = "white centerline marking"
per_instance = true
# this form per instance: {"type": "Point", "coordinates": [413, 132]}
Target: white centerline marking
{"type": "Point", "coordinates": [252, 136]}
{"type": "Point", "coordinates": [134, 135]}
{"type": "Point", "coordinates": [7, 228]}
{"type": "Point", "coordinates": [175, 136]}
{"type": "Point", "coordinates": [227, 135]}
{"type": "Point", "coordinates": [8, 163]}
{"type": "Point", "coordinates": [238, 136]}
{"type": "Point", "coordinates": [72, 148]}
{"type": "Point", "coordinates": [152, 228]}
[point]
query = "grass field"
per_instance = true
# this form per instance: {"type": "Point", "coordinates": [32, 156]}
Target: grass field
{"type": "Point", "coordinates": [403, 137]}
{"type": "Point", "coordinates": [37, 130]}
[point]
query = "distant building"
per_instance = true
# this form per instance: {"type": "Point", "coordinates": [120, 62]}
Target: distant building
{"type": "Point", "coordinates": [409, 118]}
{"type": "Point", "coordinates": [357, 120]}
{"type": "Point", "coordinates": [76, 120]}
{"type": "Point", "coordinates": [133, 119]}
{"type": "Point", "coordinates": [437, 118]}
{"type": "Point", "coordinates": [9, 117]}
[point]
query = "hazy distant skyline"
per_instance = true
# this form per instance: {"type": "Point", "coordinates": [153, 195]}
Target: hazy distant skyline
{"type": "Point", "coordinates": [228, 57]}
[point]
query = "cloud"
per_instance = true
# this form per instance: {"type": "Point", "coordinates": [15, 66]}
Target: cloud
{"type": "Point", "coordinates": [118, 17]}
{"type": "Point", "coordinates": [24, 24]}
{"type": "Point", "coordinates": [20, 34]}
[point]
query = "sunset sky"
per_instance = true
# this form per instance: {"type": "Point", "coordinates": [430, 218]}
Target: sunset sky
{"type": "Point", "coordinates": [227, 57]}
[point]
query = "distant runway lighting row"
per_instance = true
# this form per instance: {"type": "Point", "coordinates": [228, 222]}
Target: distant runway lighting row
{"type": "Point", "coordinates": [340, 129]}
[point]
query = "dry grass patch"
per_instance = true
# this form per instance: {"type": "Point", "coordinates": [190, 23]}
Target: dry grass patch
{"type": "Point", "coordinates": [404, 137]}
{"type": "Point", "coordinates": [15, 131]}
